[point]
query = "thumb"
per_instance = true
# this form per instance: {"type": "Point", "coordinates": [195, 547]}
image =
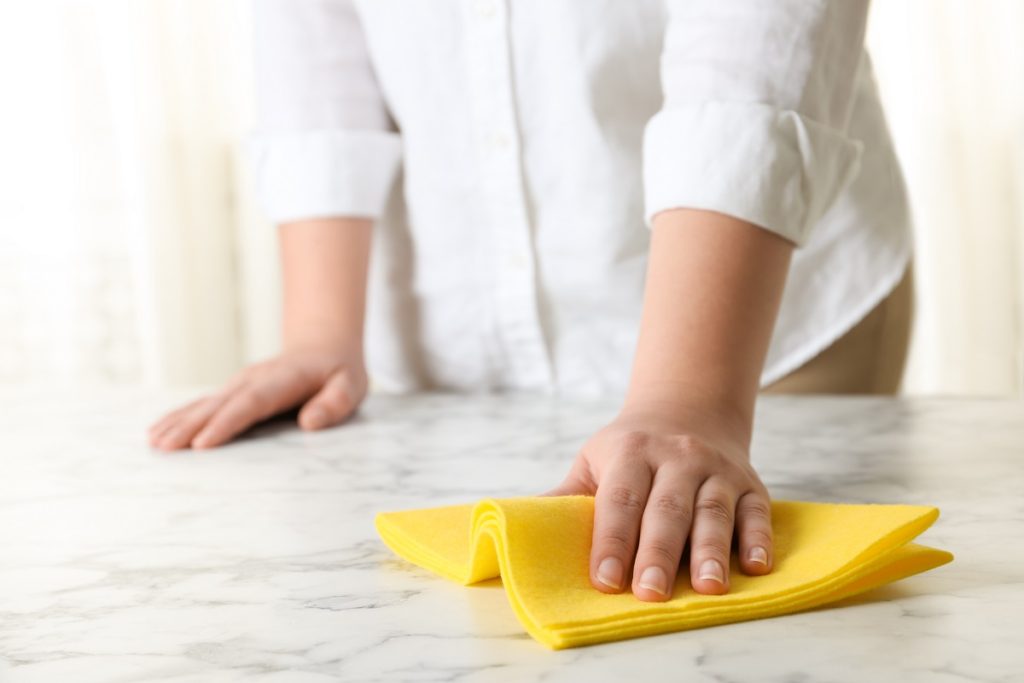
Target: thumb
{"type": "Point", "coordinates": [335, 401]}
{"type": "Point", "coordinates": [572, 485]}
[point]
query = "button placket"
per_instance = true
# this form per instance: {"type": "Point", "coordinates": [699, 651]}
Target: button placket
{"type": "Point", "coordinates": [493, 111]}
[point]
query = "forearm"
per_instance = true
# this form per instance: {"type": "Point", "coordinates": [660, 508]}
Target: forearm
{"type": "Point", "coordinates": [714, 284]}
{"type": "Point", "coordinates": [324, 265]}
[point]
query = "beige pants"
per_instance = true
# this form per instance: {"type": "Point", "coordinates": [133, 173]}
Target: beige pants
{"type": "Point", "coordinates": [869, 359]}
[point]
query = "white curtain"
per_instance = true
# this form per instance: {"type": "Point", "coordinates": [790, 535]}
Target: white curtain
{"type": "Point", "coordinates": [131, 250]}
{"type": "Point", "coordinates": [127, 235]}
{"type": "Point", "coordinates": [952, 78]}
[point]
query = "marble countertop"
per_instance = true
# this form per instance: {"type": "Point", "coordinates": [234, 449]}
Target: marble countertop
{"type": "Point", "coordinates": [259, 561]}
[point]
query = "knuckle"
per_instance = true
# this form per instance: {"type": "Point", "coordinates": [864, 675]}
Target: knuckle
{"type": "Point", "coordinates": [688, 443]}
{"type": "Point", "coordinates": [634, 442]}
{"type": "Point", "coordinates": [712, 547]}
{"type": "Point", "coordinates": [673, 505]}
{"type": "Point", "coordinates": [696, 455]}
{"type": "Point", "coordinates": [754, 506]}
{"type": "Point", "coordinates": [758, 537]}
{"type": "Point", "coordinates": [664, 550]}
{"type": "Point", "coordinates": [615, 540]}
{"type": "Point", "coordinates": [714, 507]}
{"type": "Point", "coordinates": [626, 499]}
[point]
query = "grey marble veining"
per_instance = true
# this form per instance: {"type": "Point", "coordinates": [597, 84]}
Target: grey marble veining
{"type": "Point", "coordinates": [259, 562]}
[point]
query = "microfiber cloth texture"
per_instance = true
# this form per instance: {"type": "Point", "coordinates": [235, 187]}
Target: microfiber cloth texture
{"type": "Point", "coordinates": [540, 547]}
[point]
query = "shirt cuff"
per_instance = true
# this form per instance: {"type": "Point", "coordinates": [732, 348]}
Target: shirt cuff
{"type": "Point", "coordinates": [771, 167]}
{"type": "Point", "coordinates": [320, 173]}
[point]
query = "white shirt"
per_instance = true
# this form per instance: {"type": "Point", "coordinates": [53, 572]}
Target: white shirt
{"type": "Point", "coordinates": [514, 154]}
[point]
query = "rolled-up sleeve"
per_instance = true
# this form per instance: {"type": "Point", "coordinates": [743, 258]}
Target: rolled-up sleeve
{"type": "Point", "coordinates": [324, 143]}
{"type": "Point", "coordinates": [757, 99]}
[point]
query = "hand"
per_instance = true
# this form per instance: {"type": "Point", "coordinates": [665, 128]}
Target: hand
{"type": "Point", "coordinates": [328, 384]}
{"type": "Point", "coordinates": [655, 482]}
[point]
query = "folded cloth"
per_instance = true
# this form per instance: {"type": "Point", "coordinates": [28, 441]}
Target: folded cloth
{"type": "Point", "coordinates": [540, 547]}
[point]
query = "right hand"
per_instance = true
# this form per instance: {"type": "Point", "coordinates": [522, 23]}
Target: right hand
{"type": "Point", "coordinates": [662, 481]}
{"type": "Point", "coordinates": [328, 384]}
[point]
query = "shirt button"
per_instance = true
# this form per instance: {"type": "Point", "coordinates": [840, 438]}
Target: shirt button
{"type": "Point", "coordinates": [485, 8]}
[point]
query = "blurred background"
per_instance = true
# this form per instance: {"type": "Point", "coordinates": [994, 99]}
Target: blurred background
{"type": "Point", "coordinates": [132, 252]}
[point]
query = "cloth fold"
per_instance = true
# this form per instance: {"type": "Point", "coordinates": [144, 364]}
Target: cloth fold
{"type": "Point", "coordinates": [540, 547]}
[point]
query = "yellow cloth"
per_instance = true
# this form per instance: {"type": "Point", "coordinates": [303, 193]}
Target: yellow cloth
{"type": "Point", "coordinates": [540, 546]}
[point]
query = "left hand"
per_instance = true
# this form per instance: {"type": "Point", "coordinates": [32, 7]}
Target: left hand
{"type": "Point", "coordinates": [658, 480]}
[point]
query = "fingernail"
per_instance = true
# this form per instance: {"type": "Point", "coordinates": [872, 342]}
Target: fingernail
{"type": "Point", "coordinates": [712, 570]}
{"type": "Point", "coordinates": [758, 554]}
{"type": "Point", "coordinates": [609, 572]}
{"type": "Point", "coordinates": [654, 579]}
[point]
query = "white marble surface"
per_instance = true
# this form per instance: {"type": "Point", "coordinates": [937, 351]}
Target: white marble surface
{"type": "Point", "coordinates": [259, 562]}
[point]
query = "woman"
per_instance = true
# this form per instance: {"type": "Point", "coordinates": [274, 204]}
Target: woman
{"type": "Point", "coordinates": [680, 203]}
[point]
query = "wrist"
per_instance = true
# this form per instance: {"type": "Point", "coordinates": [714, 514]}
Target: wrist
{"type": "Point", "coordinates": [323, 339]}
{"type": "Point", "coordinates": [715, 417]}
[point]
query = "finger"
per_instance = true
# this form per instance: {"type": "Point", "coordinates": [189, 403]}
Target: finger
{"type": "Point", "coordinates": [567, 488]}
{"type": "Point", "coordinates": [663, 530]}
{"type": "Point", "coordinates": [156, 437]}
{"type": "Point", "coordinates": [618, 506]}
{"type": "Point", "coordinates": [335, 401]}
{"type": "Point", "coordinates": [179, 433]}
{"type": "Point", "coordinates": [711, 537]}
{"type": "Point", "coordinates": [577, 483]}
{"type": "Point", "coordinates": [161, 425]}
{"type": "Point", "coordinates": [158, 429]}
{"type": "Point", "coordinates": [754, 529]}
{"type": "Point", "coordinates": [243, 409]}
